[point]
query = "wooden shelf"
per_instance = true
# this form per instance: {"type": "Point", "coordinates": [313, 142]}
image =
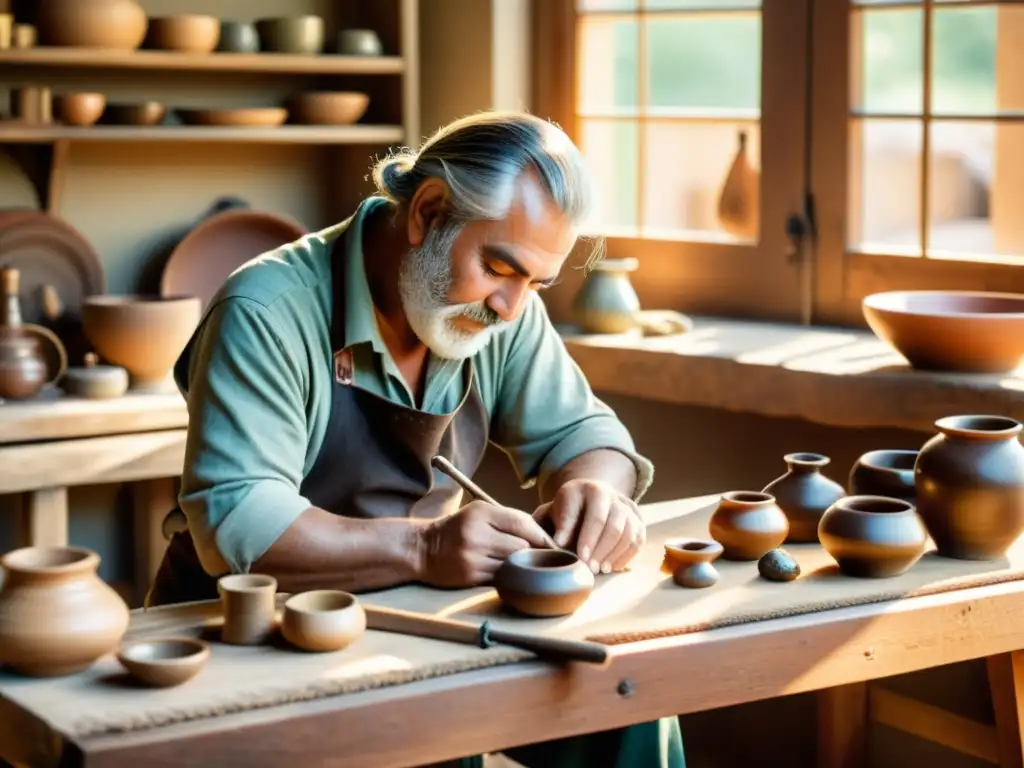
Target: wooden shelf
{"type": "Point", "coordinates": [272, 63]}
{"type": "Point", "coordinates": [285, 134]}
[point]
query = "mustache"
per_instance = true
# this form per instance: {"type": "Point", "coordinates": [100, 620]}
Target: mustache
{"type": "Point", "coordinates": [482, 314]}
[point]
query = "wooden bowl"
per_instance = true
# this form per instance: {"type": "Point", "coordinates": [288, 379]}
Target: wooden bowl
{"type": "Point", "coordinates": [164, 662]}
{"type": "Point", "coordinates": [956, 331]}
{"type": "Point", "coordinates": [81, 109]}
{"type": "Point", "coordinates": [146, 113]}
{"type": "Point", "coordinates": [329, 108]}
{"type": "Point", "coordinates": [299, 34]}
{"type": "Point", "coordinates": [186, 32]}
{"type": "Point", "coordinates": [142, 334]}
{"type": "Point", "coordinates": [543, 582]}
{"type": "Point", "coordinates": [322, 620]}
{"type": "Point", "coordinates": [248, 117]}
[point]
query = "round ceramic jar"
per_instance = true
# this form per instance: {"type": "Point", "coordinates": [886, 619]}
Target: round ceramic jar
{"type": "Point", "coordinates": [543, 582]}
{"type": "Point", "coordinates": [872, 536]}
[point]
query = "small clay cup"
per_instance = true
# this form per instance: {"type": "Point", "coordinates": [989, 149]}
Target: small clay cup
{"type": "Point", "coordinates": [299, 34]}
{"type": "Point", "coordinates": [250, 615]}
{"type": "Point", "coordinates": [543, 582]}
{"type": "Point", "coordinates": [691, 561]}
{"type": "Point", "coordinates": [358, 42]}
{"type": "Point", "coordinates": [164, 662]}
{"type": "Point", "coordinates": [748, 524]}
{"type": "Point", "coordinates": [884, 473]}
{"type": "Point", "coordinates": [873, 537]}
{"type": "Point", "coordinates": [323, 620]}
{"type": "Point", "coordinates": [238, 37]}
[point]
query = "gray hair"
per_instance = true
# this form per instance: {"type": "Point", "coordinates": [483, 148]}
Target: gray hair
{"type": "Point", "coordinates": [481, 157]}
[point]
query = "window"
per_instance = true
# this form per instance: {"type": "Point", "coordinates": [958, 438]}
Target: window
{"type": "Point", "coordinates": [898, 126]}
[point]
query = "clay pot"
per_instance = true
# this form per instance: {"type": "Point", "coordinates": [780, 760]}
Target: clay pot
{"type": "Point", "coordinates": [804, 494]}
{"type": "Point", "coordinates": [970, 486]}
{"type": "Point", "coordinates": [691, 561]}
{"type": "Point", "coordinates": [81, 109]}
{"type": "Point", "coordinates": [328, 107]}
{"type": "Point", "coordinates": [301, 34]}
{"type": "Point", "coordinates": [748, 524]}
{"type": "Point", "coordinates": [93, 381]}
{"type": "Point", "coordinates": [358, 42]}
{"type": "Point", "coordinates": [142, 334]}
{"type": "Point", "coordinates": [186, 32]}
{"type": "Point", "coordinates": [238, 37]}
{"type": "Point", "coordinates": [543, 582]}
{"type": "Point", "coordinates": [739, 202]}
{"type": "Point", "coordinates": [165, 662]}
{"type": "Point", "coordinates": [884, 473]}
{"type": "Point", "coordinates": [57, 616]}
{"type": "Point", "coordinates": [323, 620]}
{"type": "Point", "coordinates": [24, 370]}
{"type": "Point", "coordinates": [872, 536]}
{"type": "Point", "coordinates": [114, 24]}
{"type": "Point", "coordinates": [607, 302]}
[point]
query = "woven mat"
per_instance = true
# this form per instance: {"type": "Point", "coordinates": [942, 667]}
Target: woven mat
{"type": "Point", "coordinates": [640, 604]}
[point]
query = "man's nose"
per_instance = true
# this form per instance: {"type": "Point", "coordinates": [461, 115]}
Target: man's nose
{"type": "Point", "coordinates": [509, 301]}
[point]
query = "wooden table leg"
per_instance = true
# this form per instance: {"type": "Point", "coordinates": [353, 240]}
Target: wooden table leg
{"type": "Point", "coordinates": [43, 518]}
{"type": "Point", "coordinates": [152, 500]}
{"type": "Point", "coordinates": [843, 726]}
{"type": "Point", "coordinates": [1006, 681]}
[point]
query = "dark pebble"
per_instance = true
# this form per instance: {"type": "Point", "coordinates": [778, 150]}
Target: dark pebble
{"type": "Point", "coordinates": [778, 565]}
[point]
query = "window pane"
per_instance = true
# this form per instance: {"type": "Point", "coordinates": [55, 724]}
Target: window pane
{"type": "Point", "coordinates": [978, 60]}
{"type": "Point", "coordinates": [679, 5]}
{"type": "Point", "coordinates": [975, 186]}
{"type": "Point", "coordinates": [707, 62]}
{"type": "Point", "coordinates": [606, 5]}
{"type": "Point", "coordinates": [889, 76]}
{"type": "Point", "coordinates": [611, 148]}
{"type": "Point", "coordinates": [687, 166]}
{"type": "Point", "coordinates": [608, 63]}
{"type": "Point", "coordinates": [885, 186]}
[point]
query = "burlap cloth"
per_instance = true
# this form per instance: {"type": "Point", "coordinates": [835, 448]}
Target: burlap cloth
{"type": "Point", "coordinates": [640, 604]}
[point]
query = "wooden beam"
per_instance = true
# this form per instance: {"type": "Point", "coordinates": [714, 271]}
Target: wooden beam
{"type": "Point", "coordinates": [842, 726]}
{"type": "Point", "coordinates": [43, 521]}
{"type": "Point", "coordinates": [1006, 681]}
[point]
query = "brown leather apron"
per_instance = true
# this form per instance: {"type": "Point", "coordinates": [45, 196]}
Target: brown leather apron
{"type": "Point", "coordinates": [374, 461]}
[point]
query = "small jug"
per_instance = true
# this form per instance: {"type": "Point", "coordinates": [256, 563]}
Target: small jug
{"type": "Point", "coordinates": [607, 302]}
{"type": "Point", "coordinates": [23, 368]}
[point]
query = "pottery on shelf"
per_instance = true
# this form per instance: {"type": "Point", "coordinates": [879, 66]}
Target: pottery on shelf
{"type": "Point", "coordinates": [57, 616]}
{"type": "Point", "coordinates": [164, 662]}
{"type": "Point", "coordinates": [748, 524]}
{"type": "Point", "coordinates": [884, 473]}
{"type": "Point", "coordinates": [322, 620]}
{"type": "Point", "coordinates": [543, 582]}
{"type": "Point", "coordinates": [23, 367]}
{"type": "Point", "coordinates": [80, 109]}
{"type": "Point", "coordinates": [739, 201]}
{"type": "Point", "coordinates": [94, 381]}
{"type": "Point", "coordinates": [248, 601]}
{"type": "Point", "coordinates": [873, 536]}
{"type": "Point", "coordinates": [298, 34]}
{"type": "Point", "coordinates": [238, 37]}
{"type": "Point", "coordinates": [804, 494]}
{"type": "Point", "coordinates": [185, 32]}
{"type": "Point", "coordinates": [607, 302]}
{"type": "Point", "coordinates": [111, 24]}
{"type": "Point", "coordinates": [691, 561]}
{"type": "Point", "coordinates": [970, 486]}
{"type": "Point", "coordinates": [358, 42]}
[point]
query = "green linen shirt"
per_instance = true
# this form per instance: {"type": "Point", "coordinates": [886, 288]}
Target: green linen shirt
{"type": "Point", "coordinates": [257, 377]}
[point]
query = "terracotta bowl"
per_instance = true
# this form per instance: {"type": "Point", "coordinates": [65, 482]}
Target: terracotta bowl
{"type": "Point", "coordinates": [146, 113]}
{"type": "Point", "coordinates": [329, 108]}
{"type": "Point", "coordinates": [873, 536]}
{"type": "Point", "coordinates": [164, 662]}
{"type": "Point", "coordinates": [543, 582]}
{"type": "Point", "coordinates": [957, 331]}
{"type": "Point", "coordinates": [186, 32]}
{"type": "Point", "coordinates": [322, 620]}
{"type": "Point", "coordinates": [142, 334]}
{"type": "Point", "coordinates": [81, 109]}
{"type": "Point", "coordinates": [884, 473]}
{"type": "Point", "coordinates": [247, 117]}
{"type": "Point", "coordinates": [299, 34]}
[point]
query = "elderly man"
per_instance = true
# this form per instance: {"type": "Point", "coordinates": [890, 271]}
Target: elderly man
{"type": "Point", "coordinates": [326, 375]}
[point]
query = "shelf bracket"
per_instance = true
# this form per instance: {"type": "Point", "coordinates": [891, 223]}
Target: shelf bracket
{"type": "Point", "coordinates": [46, 167]}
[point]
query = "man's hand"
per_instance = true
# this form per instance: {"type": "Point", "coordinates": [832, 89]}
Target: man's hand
{"type": "Point", "coordinates": [466, 548]}
{"type": "Point", "coordinates": [611, 531]}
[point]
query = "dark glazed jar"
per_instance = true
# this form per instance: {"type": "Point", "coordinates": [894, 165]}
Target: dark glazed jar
{"type": "Point", "coordinates": [872, 536]}
{"type": "Point", "coordinates": [970, 486]}
{"type": "Point", "coordinates": [884, 473]}
{"type": "Point", "coordinates": [804, 494]}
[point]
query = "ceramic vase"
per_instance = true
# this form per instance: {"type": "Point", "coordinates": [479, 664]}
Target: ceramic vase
{"type": "Point", "coordinates": [57, 616]}
{"type": "Point", "coordinates": [970, 486]}
{"type": "Point", "coordinates": [691, 561]}
{"type": "Point", "coordinates": [110, 24]}
{"type": "Point", "coordinates": [606, 302]}
{"type": "Point", "coordinates": [739, 202]}
{"type": "Point", "coordinates": [543, 582]}
{"type": "Point", "coordinates": [872, 536]}
{"type": "Point", "coordinates": [804, 494]}
{"type": "Point", "coordinates": [748, 525]}
{"type": "Point", "coordinates": [884, 473]}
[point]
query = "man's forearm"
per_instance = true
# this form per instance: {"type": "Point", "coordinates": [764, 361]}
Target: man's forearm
{"type": "Point", "coordinates": [324, 551]}
{"type": "Point", "coordinates": [603, 464]}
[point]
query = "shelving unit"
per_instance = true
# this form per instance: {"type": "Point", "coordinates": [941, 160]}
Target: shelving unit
{"type": "Point", "coordinates": [285, 134]}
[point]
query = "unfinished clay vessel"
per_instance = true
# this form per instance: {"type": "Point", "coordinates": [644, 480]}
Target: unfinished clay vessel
{"type": "Point", "coordinates": [884, 473]}
{"type": "Point", "coordinates": [57, 616]}
{"type": "Point", "coordinates": [543, 582]}
{"type": "Point", "coordinates": [872, 536]}
{"type": "Point", "coordinates": [323, 620]}
{"type": "Point", "coordinates": [970, 486]}
{"type": "Point", "coordinates": [164, 662]}
{"type": "Point", "coordinates": [804, 494]}
{"type": "Point", "coordinates": [748, 524]}
{"type": "Point", "coordinates": [691, 561]}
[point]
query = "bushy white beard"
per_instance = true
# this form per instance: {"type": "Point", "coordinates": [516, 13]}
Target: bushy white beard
{"type": "Point", "coordinates": [424, 281]}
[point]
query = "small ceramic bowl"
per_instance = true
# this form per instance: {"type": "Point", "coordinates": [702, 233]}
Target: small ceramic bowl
{"type": "Point", "coordinates": [543, 582]}
{"type": "Point", "coordinates": [299, 34]}
{"type": "Point", "coordinates": [81, 109]}
{"type": "Point", "coordinates": [873, 536]}
{"type": "Point", "coordinates": [691, 561]}
{"type": "Point", "coordinates": [95, 381]}
{"type": "Point", "coordinates": [238, 37]}
{"type": "Point", "coordinates": [186, 32]}
{"type": "Point", "coordinates": [329, 107]}
{"type": "Point", "coordinates": [884, 473]}
{"type": "Point", "coordinates": [323, 620]}
{"type": "Point", "coordinates": [146, 113]}
{"type": "Point", "coordinates": [359, 42]}
{"type": "Point", "coordinates": [164, 662]}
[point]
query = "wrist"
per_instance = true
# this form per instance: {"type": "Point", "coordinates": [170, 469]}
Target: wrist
{"type": "Point", "coordinates": [416, 547]}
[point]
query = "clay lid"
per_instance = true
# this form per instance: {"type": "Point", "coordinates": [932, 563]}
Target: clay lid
{"type": "Point", "coordinates": [92, 371]}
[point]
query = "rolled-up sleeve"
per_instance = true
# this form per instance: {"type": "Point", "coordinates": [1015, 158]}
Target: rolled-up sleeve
{"type": "Point", "coordinates": [546, 414]}
{"type": "Point", "coordinates": [246, 439]}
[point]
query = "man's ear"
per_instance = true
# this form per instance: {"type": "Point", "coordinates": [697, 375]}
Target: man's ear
{"type": "Point", "coordinates": [427, 209]}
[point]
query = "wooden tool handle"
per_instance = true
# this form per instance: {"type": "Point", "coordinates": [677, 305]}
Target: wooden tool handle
{"type": "Point", "coordinates": [552, 647]}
